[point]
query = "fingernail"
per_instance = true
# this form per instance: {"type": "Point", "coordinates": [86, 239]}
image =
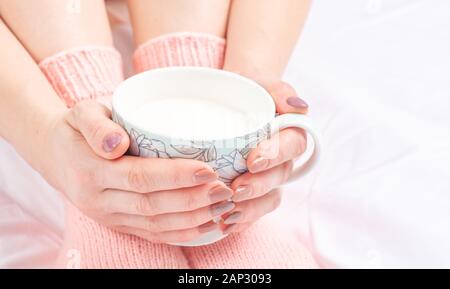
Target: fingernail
{"type": "Point", "coordinates": [229, 229]}
{"type": "Point", "coordinates": [233, 218]}
{"type": "Point", "coordinates": [222, 208]}
{"type": "Point", "coordinates": [297, 102]}
{"type": "Point", "coordinates": [259, 164]}
{"type": "Point", "coordinates": [111, 142]}
{"type": "Point", "coordinates": [204, 176]}
{"type": "Point", "coordinates": [220, 193]}
{"type": "Point", "coordinates": [242, 193]}
{"type": "Point", "coordinates": [208, 227]}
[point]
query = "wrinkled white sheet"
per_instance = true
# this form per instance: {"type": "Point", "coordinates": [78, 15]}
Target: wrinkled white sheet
{"type": "Point", "coordinates": [377, 76]}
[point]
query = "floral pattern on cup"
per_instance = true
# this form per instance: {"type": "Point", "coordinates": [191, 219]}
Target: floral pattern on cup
{"type": "Point", "coordinates": [227, 157]}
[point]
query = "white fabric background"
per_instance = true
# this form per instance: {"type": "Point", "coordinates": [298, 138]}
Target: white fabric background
{"type": "Point", "coordinates": [377, 76]}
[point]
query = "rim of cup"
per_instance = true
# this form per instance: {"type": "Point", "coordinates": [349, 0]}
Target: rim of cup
{"type": "Point", "coordinates": [119, 109]}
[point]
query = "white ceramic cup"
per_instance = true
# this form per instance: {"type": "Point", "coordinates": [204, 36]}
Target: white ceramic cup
{"type": "Point", "coordinates": [226, 154]}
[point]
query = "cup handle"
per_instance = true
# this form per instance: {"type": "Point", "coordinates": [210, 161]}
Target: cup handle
{"type": "Point", "coordinates": [304, 122]}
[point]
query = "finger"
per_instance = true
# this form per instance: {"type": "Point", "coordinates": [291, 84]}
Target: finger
{"type": "Point", "coordinates": [252, 210]}
{"type": "Point", "coordinates": [172, 237]}
{"type": "Point", "coordinates": [284, 146]}
{"type": "Point", "coordinates": [93, 120]}
{"type": "Point", "coordinates": [145, 175]}
{"type": "Point", "coordinates": [286, 98]}
{"type": "Point", "coordinates": [250, 186]}
{"type": "Point", "coordinates": [173, 221]}
{"type": "Point", "coordinates": [235, 228]}
{"type": "Point", "coordinates": [163, 202]}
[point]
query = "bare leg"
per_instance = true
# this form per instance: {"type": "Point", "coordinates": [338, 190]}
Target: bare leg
{"type": "Point", "coordinates": [152, 18]}
{"type": "Point", "coordinates": [46, 27]}
{"type": "Point", "coordinates": [261, 35]}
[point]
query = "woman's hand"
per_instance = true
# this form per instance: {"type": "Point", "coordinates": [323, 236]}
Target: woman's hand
{"type": "Point", "coordinates": [161, 200]}
{"type": "Point", "coordinates": [270, 165]}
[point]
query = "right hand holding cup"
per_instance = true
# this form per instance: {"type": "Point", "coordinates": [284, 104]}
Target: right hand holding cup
{"type": "Point", "coordinates": [161, 200]}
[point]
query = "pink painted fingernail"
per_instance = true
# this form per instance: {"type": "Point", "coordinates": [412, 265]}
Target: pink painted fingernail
{"type": "Point", "coordinates": [259, 164]}
{"type": "Point", "coordinates": [297, 102]}
{"type": "Point", "coordinates": [208, 227]}
{"type": "Point", "coordinates": [241, 193]}
{"type": "Point", "coordinates": [233, 218]}
{"type": "Point", "coordinates": [204, 176]}
{"type": "Point", "coordinates": [220, 193]}
{"type": "Point", "coordinates": [111, 142]}
{"type": "Point", "coordinates": [221, 208]}
{"type": "Point", "coordinates": [229, 229]}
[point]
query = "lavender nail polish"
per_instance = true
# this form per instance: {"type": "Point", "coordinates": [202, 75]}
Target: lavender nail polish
{"type": "Point", "coordinates": [220, 193]}
{"type": "Point", "coordinates": [204, 176]}
{"type": "Point", "coordinates": [241, 193]}
{"type": "Point", "coordinates": [233, 218]}
{"type": "Point", "coordinates": [297, 102]}
{"type": "Point", "coordinates": [111, 142]}
{"type": "Point", "coordinates": [208, 227]}
{"type": "Point", "coordinates": [221, 208]}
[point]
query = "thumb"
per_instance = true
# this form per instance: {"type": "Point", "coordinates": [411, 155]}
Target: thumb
{"type": "Point", "coordinates": [93, 120]}
{"type": "Point", "coordinates": [286, 98]}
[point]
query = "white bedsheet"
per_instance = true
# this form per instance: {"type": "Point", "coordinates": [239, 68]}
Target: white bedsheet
{"type": "Point", "coordinates": [377, 76]}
